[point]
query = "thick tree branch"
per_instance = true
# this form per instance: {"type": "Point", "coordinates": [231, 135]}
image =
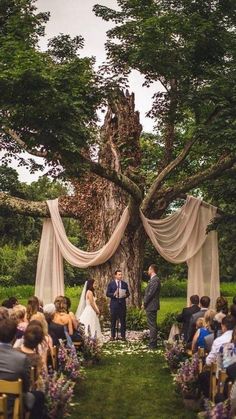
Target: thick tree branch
{"type": "Point", "coordinates": [118, 178]}
{"type": "Point", "coordinates": [24, 146]}
{"type": "Point", "coordinates": [218, 169]}
{"type": "Point", "coordinates": [150, 197]}
{"type": "Point", "coordinates": [30, 208]}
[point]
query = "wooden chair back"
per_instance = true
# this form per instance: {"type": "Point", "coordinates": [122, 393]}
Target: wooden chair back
{"type": "Point", "coordinates": [3, 406]}
{"type": "Point", "coordinates": [54, 357]}
{"type": "Point", "coordinates": [32, 377]}
{"type": "Point", "coordinates": [15, 388]}
{"type": "Point", "coordinates": [213, 387]}
{"type": "Point", "coordinates": [77, 344]}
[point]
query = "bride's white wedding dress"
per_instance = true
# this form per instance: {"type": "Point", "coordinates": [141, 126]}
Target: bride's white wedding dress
{"type": "Point", "coordinates": [90, 320]}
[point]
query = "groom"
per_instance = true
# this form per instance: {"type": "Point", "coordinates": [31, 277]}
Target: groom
{"type": "Point", "coordinates": [152, 304]}
{"type": "Point", "coordinates": [118, 291]}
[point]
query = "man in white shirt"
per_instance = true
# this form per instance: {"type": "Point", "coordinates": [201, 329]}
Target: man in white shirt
{"type": "Point", "coordinates": [227, 325]}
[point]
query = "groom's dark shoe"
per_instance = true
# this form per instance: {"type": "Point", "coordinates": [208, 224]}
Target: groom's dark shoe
{"type": "Point", "coordinates": [111, 339]}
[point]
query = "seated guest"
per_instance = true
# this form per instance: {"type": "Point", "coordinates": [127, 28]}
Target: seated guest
{"type": "Point", "coordinates": [227, 325]}
{"type": "Point", "coordinates": [13, 302]}
{"type": "Point", "coordinates": [74, 320]}
{"type": "Point", "coordinates": [47, 344]}
{"type": "Point", "coordinates": [203, 330]}
{"type": "Point", "coordinates": [32, 308]}
{"type": "Point", "coordinates": [227, 352]}
{"type": "Point", "coordinates": [77, 336]}
{"type": "Point", "coordinates": [56, 331]}
{"type": "Point", "coordinates": [204, 305]}
{"type": "Point", "coordinates": [186, 314]}
{"type": "Point", "coordinates": [209, 339]}
{"type": "Point", "coordinates": [4, 313]}
{"type": "Point", "coordinates": [221, 312]}
{"type": "Point", "coordinates": [233, 310]}
{"type": "Point", "coordinates": [33, 337]}
{"type": "Point", "coordinates": [61, 316]}
{"type": "Point", "coordinates": [19, 317]}
{"type": "Point", "coordinates": [15, 365]}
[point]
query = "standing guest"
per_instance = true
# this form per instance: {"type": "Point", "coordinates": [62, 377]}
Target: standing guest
{"type": "Point", "coordinates": [118, 291]}
{"type": "Point", "coordinates": [152, 304]}
{"type": "Point", "coordinates": [204, 306]}
{"type": "Point", "coordinates": [186, 314]}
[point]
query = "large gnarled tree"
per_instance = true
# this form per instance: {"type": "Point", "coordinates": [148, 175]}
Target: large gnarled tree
{"type": "Point", "coordinates": [49, 101]}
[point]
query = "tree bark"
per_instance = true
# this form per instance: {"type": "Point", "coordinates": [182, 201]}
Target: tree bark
{"type": "Point", "coordinates": [121, 123]}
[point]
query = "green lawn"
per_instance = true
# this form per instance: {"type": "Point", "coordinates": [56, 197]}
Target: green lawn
{"type": "Point", "coordinates": [129, 386]}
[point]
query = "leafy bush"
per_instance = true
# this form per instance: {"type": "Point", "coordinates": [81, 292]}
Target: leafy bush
{"type": "Point", "coordinates": [228, 289]}
{"type": "Point", "coordinates": [174, 288]}
{"type": "Point", "coordinates": [20, 291]}
{"type": "Point", "coordinates": [167, 323]}
{"type": "Point", "coordinates": [6, 281]}
{"type": "Point", "coordinates": [136, 319]}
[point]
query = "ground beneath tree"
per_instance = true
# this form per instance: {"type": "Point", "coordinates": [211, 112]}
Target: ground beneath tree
{"type": "Point", "coordinates": [129, 382]}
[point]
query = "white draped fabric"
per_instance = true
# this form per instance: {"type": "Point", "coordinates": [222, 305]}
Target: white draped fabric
{"type": "Point", "coordinates": [178, 238]}
{"type": "Point", "coordinates": [181, 237]}
{"type": "Point", "coordinates": [55, 246]}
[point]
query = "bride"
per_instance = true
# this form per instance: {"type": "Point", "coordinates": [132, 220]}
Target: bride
{"type": "Point", "coordinates": [87, 312]}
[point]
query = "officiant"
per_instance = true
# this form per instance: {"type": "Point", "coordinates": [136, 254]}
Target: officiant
{"type": "Point", "coordinates": [118, 291]}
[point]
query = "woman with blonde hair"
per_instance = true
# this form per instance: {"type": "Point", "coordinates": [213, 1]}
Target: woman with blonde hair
{"type": "Point", "coordinates": [203, 331]}
{"type": "Point", "coordinates": [61, 316]}
{"type": "Point", "coordinates": [46, 345]}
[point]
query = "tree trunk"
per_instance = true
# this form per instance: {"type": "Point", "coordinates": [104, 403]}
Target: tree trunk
{"type": "Point", "coordinates": [105, 202]}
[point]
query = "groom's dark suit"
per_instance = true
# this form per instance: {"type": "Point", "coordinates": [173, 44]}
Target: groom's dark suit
{"type": "Point", "coordinates": [152, 305]}
{"type": "Point", "coordinates": [117, 307]}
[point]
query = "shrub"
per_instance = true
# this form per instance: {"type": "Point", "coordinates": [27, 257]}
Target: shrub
{"type": "Point", "coordinates": [136, 319]}
{"type": "Point", "coordinates": [174, 288]}
{"type": "Point", "coordinates": [20, 291]}
{"type": "Point", "coordinates": [167, 323]}
{"type": "Point", "coordinates": [6, 281]}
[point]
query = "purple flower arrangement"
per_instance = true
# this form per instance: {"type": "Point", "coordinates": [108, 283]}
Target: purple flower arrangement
{"type": "Point", "coordinates": [174, 355]}
{"type": "Point", "coordinates": [58, 390]}
{"type": "Point", "coordinates": [217, 411]}
{"type": "Point", "coordinates": [187, 376]}
{"type": "Point", "coordinates": [68, 362]}
{"type": "Point", "coordinates": [91, 347]}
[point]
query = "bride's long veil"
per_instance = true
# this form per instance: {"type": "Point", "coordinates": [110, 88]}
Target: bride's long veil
{"type": "Point", "coordinates": [82, 302]}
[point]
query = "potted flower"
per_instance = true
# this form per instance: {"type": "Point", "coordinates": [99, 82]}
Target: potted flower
{"type": "Point", "coordinates": [187, 381]}
{"type": "Point", "coordinates": [58, 390]}
{"type": "Point", "coordinates": [174, 355]}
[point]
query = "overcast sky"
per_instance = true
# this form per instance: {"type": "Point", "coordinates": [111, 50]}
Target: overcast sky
{"type": "Point", "coordinates": [75, 17]}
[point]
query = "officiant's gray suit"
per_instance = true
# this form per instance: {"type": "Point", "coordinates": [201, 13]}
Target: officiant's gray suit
{"type": "Point", "coordinates": [152, 305]}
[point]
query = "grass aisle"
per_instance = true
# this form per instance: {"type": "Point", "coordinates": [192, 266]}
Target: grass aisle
{"type": "Point", "coordinates": [129, 386]}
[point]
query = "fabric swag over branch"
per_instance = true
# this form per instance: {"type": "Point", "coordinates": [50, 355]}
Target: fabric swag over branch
{"type": "Point", "coordinates": [180, 237]}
